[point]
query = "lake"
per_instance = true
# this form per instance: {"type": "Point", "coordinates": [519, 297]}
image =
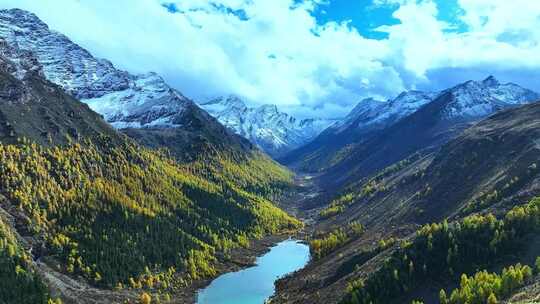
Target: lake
{"type": "Point", "coordinates": [256, 284]}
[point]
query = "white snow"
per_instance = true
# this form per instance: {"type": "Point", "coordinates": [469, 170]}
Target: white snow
{"type": "Point", "coordinates": [125, 100]}
{"type": "Point", "coordinates": [469, 100]}
{"type": "Point", "coordinates": [274, 131]}
{"type": "Point", "coordinates": [372, 114]}
{"type": "Point", "coordinates": [474, 99]}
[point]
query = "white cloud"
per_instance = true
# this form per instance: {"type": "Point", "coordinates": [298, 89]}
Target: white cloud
{"type": "Point", "coordinates": [502, 37]}
{"type": "Point", "coordinates": [280, 55]}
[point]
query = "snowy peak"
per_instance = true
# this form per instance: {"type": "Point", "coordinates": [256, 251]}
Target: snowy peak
{"type": "Point", "coordinates": [231, 103]}
{"type": "Point", "coordinates": [469, 100]}
{"type": "Point", "coordinates": [64, 62]}
{"type": "Point", "coordinates": [370, 114]}
{"type": "Point", "coordinates": [147, 102]}
{"type": "Point", "coordinates": [274, 131]}
{"type": "Point", "coordinates": [125, 100]}
{"type": "Point", "coordinates": [490, 81]}
{"type": "Point", "coordinates": [474, 99]}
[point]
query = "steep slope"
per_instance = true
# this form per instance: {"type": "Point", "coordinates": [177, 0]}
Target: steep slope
{"type": "Point", "coordinates": [491, 167]}
{"type": "Point", "coordinates": [487, 164]}
{"type": "Point", "coordinates": [141, 102]}
{"type": "Point", "coordinates": [412, 121]}
{"type": "Point", "coordinates": [430, 126]}
{"type": "Point", "coordinates": [20, 283]}
{"type": "Point", "coordinates": [273, 131]}
{"type": "Point", "coordinates": [84, 199]}
{"type": "Point", "coordinates": [33, 107]}
{"type": "Point", "coordinates": [369, 117]}
{"type": "Point", "coordinates": [123, 99]}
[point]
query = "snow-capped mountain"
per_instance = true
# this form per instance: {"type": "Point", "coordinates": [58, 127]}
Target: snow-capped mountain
{"type": "Point", "coordinates": [382, 132]}
{"type": "Point", "coordinates": [376, 114]}
{"type": "Point", "coordinates": [274, 131]}
{"type": "Point", "coordinates": [472, 99]}
{"type": "Point", "coordinates": [125, 100]}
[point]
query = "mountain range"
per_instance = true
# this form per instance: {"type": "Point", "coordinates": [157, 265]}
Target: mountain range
{"type": "Point", "coordinates": [130, 101]}
{"type": "Point", "coordinates": [489, 169]}
{"type": "Point", "coordinates": [142, 106]}
{"type": "Point", "coordinates": [85, 209]}
{"type": "Point", "coordinates": [273, 131]}
{"type": "Point", "coordinates": [116, 188]}
{"type": "Point", "coordinates": [376, 134]}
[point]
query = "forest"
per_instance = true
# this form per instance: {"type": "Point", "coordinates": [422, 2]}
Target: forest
{"type": "Point", "coordinates": [20, 283]}
{"type": "Point", "coordinates": [326, 243]}
{"type": "Point", "coordinates": [443, 249]}
{"type": "Point", "coordinates": [124, 216]}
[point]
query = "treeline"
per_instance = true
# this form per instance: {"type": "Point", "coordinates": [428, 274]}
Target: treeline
{"type": "Point", "coordinates": [123, 215]}
{"type": "Point", "coordinates": [325, 244]}
{"type": "Point", "coordinates": [446, 250]}
{"type": "Point", "coordinates": [506, 187]}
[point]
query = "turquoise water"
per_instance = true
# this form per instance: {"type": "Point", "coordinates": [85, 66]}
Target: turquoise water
{"type": "Point", "coordinates": [256, 284]}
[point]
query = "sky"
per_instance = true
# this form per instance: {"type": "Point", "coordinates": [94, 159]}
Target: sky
{"type": "Point", "coordinates": [310, 57]}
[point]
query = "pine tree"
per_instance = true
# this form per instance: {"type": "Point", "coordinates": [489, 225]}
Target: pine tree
{"type": "Point", "coordinates": [442, 297]}
{"type": "Point", "coordinates": [492, 299]}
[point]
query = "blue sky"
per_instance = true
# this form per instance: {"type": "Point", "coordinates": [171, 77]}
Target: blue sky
{"type": "Point", "coordinates": [310, 57]}
{"type": "Point", "coordinates": [362, 15]}
{"type": "Point", "coordinates": [366, 17]}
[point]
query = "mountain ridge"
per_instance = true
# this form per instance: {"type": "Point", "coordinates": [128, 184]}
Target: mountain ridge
{"type": "Point", "coordinates": [140, 105]}
{"type": "Point", "coordinates": [88, 215]}
{"type": "Point", "coordinates": [449, 109]}
{"type": "Point", "coordinates": [485, 171]}
{"type": "Point", "coordinates": [273, 131]}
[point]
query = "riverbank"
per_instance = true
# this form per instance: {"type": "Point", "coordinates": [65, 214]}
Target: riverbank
{"type": "Point", "coordinates": [237, 259]}
{"type": "Point", "coordinates": [241, 258]}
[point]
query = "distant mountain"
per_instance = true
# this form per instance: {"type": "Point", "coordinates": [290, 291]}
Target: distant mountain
{"type": "Point", "coordinates": [144, 106]}
{"type": "Point", "coordinates": [370, 114]}
{"type": "Point", "coordinates": [375, 133]}
{"type": "Point", "coordinates": [273, 131]}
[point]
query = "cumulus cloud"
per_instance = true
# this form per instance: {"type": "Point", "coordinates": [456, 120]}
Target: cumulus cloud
{"type": "Point", "coordinates": [501, 37]}
{"type": "Point", "coordinates": [274, 51]}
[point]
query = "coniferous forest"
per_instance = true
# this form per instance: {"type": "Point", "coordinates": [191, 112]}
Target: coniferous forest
{"type": "Point", "coordinates": [129, 217]}
{"type": "Point", "coordinates": [454, 250]}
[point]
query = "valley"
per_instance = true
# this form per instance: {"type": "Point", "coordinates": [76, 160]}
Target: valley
{"type": "Point", "coordinates": [117, 188]}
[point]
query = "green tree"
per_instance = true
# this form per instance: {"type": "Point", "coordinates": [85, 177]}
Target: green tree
{"type": "Point", "coordinates": [442, 297]}
{"type": "Point", "coordinates": [492, 299]}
